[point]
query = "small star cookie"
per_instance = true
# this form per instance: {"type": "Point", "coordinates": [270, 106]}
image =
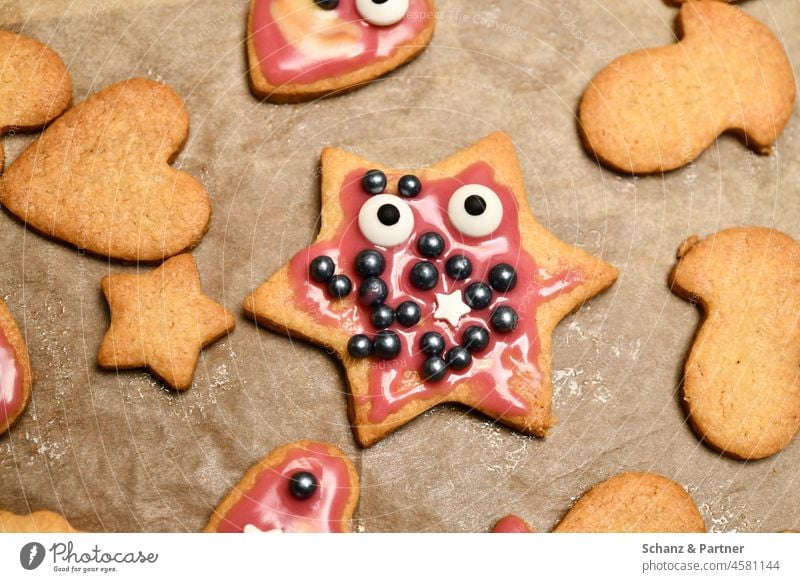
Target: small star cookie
{"type": "Point", "coordinates": [161, 320]}
{"type": "Point", "coordinates": [434, 286]}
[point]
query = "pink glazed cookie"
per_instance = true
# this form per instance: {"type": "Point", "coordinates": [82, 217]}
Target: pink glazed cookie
{"type": "Point", "coordinates": [304, 49]}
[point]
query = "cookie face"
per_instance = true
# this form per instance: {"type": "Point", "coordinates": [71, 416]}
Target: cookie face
{"type": "Point", "coordinates": [36, 522]}
{"type": "Point", "coordinates": [658, 109]}
{"type": "Point", "coordinates": [306, 486]}
{"type": "Point", "coordinates": [161, 320]}
{"type": "Point", "coordinates": [99, 178]}
{"type": "Point", "coordinates": [433, 286]}
{"type": "Point", "coordinates": [634, 503]}
{"type": "Point", "coordinates": [35, 86]}
{"type": "Point", "coordinates": [303, 49]}
{"type": "Point", "coordinates": [741, 385]}
{"type": "Point", "coordinates": [16, 376]}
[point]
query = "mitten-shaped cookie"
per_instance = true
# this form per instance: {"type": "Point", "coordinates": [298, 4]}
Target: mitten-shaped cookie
{"type": "Point", "coordinates": [741, 385]}
{"type": "Point", "coordinates": [658, 109]}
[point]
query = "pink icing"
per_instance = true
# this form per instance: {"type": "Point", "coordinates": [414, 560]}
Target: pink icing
{"type": "Point", "coordinates": [269, 505]}
{"type": "Point", "coordinates": [11, 388]}
{"type": "Point", "coordinates": [512, 524]}
{"type": "Point", "coordinates": [283, 62]}
{"type": "Point", "coordinates": [395, 383]}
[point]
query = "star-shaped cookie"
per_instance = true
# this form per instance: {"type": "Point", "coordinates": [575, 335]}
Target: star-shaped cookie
{"type": "Point", "coordinates": [161, 320]}
{"type": "Point", "coordinates": [392, 246]}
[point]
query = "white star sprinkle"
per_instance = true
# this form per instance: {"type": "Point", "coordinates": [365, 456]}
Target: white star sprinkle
{"type": "Point", "coordinates": [450, 307]}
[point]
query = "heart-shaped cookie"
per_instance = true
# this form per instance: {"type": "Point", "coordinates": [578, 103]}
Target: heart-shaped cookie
{"type": "Point", "coordinates": [307, 486]}
{"type": "Point", "coordinates": [626, 503]}
{"type": "Point", "coordinates": [99, 177]}
{"type": "Point", "coordinates": [35, 87]}
{"type": "Point", "coordinates": [304, 49]}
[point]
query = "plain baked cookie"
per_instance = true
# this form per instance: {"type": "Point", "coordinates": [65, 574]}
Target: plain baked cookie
{"type": "Point", "coordinates": [658, 109]}
{"type": "Point", "coordinates": [304, 49]}
{"type": "Point", "coordinates": [741, 385]}
{"type": "Point", "coordinates": [306, 486]}
{"type": "Point", "coordinates": [36, 522]}
{"type": "Point", "coordinates": [35, 86]}
{"type": "Point", "coordinates": [627, 503]}
{"type": "Point", "coordinates": [161, 319]}
{"type": "Point", "coordinates": [16, 377]}
{"type": "Point", "coordinates": [433, 286]}
{"type": "Point", "coordinates": [99, 177]}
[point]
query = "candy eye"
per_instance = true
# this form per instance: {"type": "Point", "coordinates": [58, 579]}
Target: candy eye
{"type": "Point", "coordinates": [382, 12]}
{"type": "Point", "coordinates": [475, 210]}
{"type": "Point", "coordinates": [327, 4]}
{"type": "Point", "coordinates": [386, 220]}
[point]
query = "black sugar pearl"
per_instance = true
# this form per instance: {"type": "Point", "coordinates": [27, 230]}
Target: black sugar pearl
{"type": "Point", "coordinates": [475, 338]}
{"type": "Point", "coordinates": [430, 245]}
{"type": "Point", "coordinates": [459, 358]}
{"type": "Point", "coordinates": [327, 4]}
{"type": "Point", "coordinates": [382, 316]}
{"type": "Point", "coordinates": [408, 313]}
{"type": "Point", "coordinates": [434, 369]}
{"type": "Point", "coordinates": [409, 186]}
{"type": "Point", "coordinates": [359, 346]}
{"type": "Point", "coordinates": [424, 275]}
{"type": "Point", "coordinates": [322, 269]}
{"type": "Point", "coordinates": [374, 182]}
{"type": "Point", "coordinates": [458, 267]}
{"type": "Point", "coordinates": [475, 205]}
{"type": "Point", "coordinates": [504, 319]}
{"type": "Point", "coordinates": [303, 485]}
{"type": "Point", "coordinates": [432, 343]}
{"type": "Point", "coordinates": [386, 344]}
{"type": "Point", "coordinates": [503, 277]}
{"type": "Point", "coordinates": [373, 291]}
{"type": "Point", "coordinates": [478, 295]}
{"type": "Point", "coordinates": [370, 263]}
{"type": "Point", "coordinates": [340, 286]}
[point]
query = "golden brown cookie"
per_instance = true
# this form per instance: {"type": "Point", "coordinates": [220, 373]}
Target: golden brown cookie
{"type": "Point", "coordinates": [304, 49]}
{"type": "Point", "coordinates": [16, 376]}
{"type": "Point", "coordinates": [634, 502]}
{"type": "Point", "coordinates": [434, 286]}
{"type": "Point", "coordinates": [306, 486]}
{"type": "Point", "coordinates": [35, 86]}
{"type": "Point", "coordinates": [627, 503]}
{"type": "Point", "coordinates": [99, 177]}
{"type": "Point", "coordinates": [741, 384]}
{"type": "Point", "coordinates": [161, 320]}
{"type": "Point", "coordinates": [36, 522]}
{"type": "Point", "coordinates": [658, 109]}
